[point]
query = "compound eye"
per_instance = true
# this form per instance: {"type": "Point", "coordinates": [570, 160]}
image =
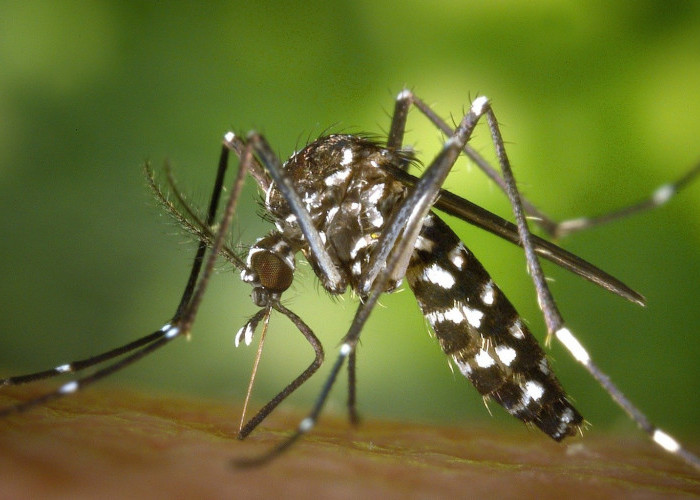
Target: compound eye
{"type": "Point", "coordinates": [273, 272]}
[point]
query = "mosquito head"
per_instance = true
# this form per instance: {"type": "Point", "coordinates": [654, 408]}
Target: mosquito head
{"type": "Point", "coordinates": [270, 269]}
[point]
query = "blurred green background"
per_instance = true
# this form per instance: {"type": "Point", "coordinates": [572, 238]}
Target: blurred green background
{"type": "Point", "coordinates": [599, 102]}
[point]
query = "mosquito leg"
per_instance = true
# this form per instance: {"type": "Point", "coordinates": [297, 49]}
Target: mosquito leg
{"type": "Point", "coordinates": [352, 388]}
{"type": "Point", "coordinates": [141, 346]}
{"type": "Point", "coordinates": [398, 119]}
{"type": "Point", "coordinates": [202, 247]}
{"type": "Point", "coordinates": [659, 197]}
{"type": "Point", "coordinates": [398, 124]}
{"type": "Point", "coordinates": [119, 351]}
{"type": "Point", "coordinates": [546, 222]}
{"type": "Point", "coordinates": [297, 382]}
{"type": "Point", "coordinates": [552, 227]}
{"type": "Point", "coordinates": [156, 340]}
{"type": "Point", "coordinates": [310, 421]}
{"type": "Point", "coordinates": [554, 319]}
{"type": "Point", "coordinates": [76, 366]}
{"type": "Point", "coordinates": [188, 308]}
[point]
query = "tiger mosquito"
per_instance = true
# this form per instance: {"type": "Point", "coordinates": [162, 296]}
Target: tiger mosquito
{"type": "Point", "coordinates": [363, 222]}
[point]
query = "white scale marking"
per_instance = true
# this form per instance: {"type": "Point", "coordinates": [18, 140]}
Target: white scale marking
{"type": "Point", "coordinates": [359, 245]}
{"type": "Point", "coordinates": [331, 213]}
{"type": "Point", "coordinates": [574, 224]}
{"type": "Point", "coordinates": [483, 359]}
{"type": "Point", "coordinates": [375, 193]}
{"type": "Point", "coordinates": [268, 195]}
{"type": "Point", "coordinates": [478, 105]}
{"type": "Point", "coordinates": [533, 392]}
{"type": "Point", "coordinates": [172, 331]}
{"type": "Point", "coordinates": [279, 247]}
{"type": "Point", "coordinates": [438, 276]}
{"type": "Point", "coordinates": [516, 329]}
{"type": "Point", "coordinates": [473, 316]}
{"type": "Point", "coordinates": [377, 220]}
{"type": "Point", "coordinates": [425, 244]}
{"type": "Point", "coordinates": [254, 251]}
{"type": "Point", "coordinates": [404, 94]}
{"type": "Point", "coordinates": [665, 441]}
{"type": "Point", "coordinates": [246, 332]}
{"type": "Point", "coordinates": [306, 425]}
{"type": "Point", "coordinates": [454, 314]}
{"type": "Point", "coordinates": [337, 178]}
{"type": "Point", "coordinates": [567, 417]}
{"type": "Point", "coordinates": [456, 256]}
{"type": "Point", "coordinates": [506, 354]}
{"type": "Point", "coordinates": [457, 260]}
{"type": "Point", "coordinates": [69, 387]}
{"type": "Point", "coordinates": [347, 157]}
{"type": "Point", "coordinates": [247, 277]}
{"type": "Point", "coordinates": [663, 194]}
{"type": "Point", "coordinates": [63, 368]}
{"type": "Point", "coordinates": [463, 367]}
{"type": "Point", "coordinates": [573, 345]}
{"type": "Point", "coordinates": [487, 294]}
{"type": "Point", "coordinates": [310, 200]}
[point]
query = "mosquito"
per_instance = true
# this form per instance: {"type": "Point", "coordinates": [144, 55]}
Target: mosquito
{"type": "Point", "coordinates": [364, 223]}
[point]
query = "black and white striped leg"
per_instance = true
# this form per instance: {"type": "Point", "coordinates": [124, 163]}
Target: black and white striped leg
{"type": "Point", "coordinates": [133, 351]}
{"type": "Point", "coordinates": [555, 229]}
{"type": "Point", "coordinates": [138, 349]}
{"type": "Point", "coordinates": [659, 197]}
{"type": "Point", "coordinates": [554, 319]}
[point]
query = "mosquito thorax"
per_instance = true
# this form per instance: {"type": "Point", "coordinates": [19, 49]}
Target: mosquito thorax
{"type": "Point", "coordinates": [344, 186]}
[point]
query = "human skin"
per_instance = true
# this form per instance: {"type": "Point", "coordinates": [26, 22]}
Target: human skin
{"type": "Point", "coordinates": [111, 443]}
